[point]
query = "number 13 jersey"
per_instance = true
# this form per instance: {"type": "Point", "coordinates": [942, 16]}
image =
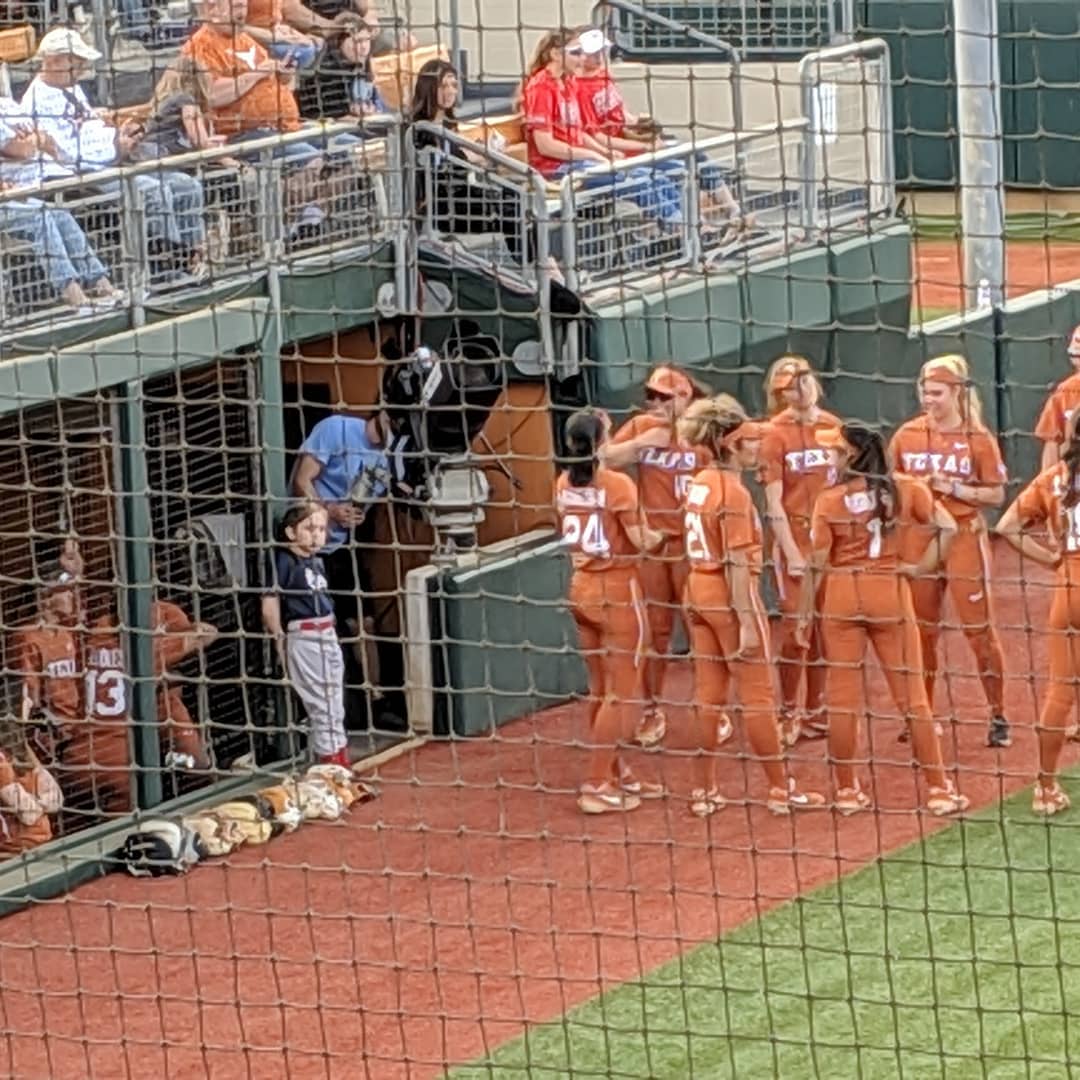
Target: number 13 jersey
{"type": "Point", "coordinates": [593, 516]}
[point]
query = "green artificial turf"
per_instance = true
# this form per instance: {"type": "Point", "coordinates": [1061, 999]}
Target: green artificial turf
{"type": "Point", "coordinates": [954, 957]}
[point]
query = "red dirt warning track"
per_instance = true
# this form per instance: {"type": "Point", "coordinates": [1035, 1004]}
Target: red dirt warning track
{"type": "Point", "coordinates": [471, 899]}
{"type": "Point", "coordinates": [1029, 265]}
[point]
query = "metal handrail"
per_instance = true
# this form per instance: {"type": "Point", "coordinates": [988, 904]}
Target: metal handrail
{"type": "Point", "coordinates": [713, 42]}
{"type": "Point", "coordinates": [874, 49]}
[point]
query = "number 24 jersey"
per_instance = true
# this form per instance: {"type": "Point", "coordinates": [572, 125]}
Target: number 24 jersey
{"type": "Point", "coordinates": [593, 519]}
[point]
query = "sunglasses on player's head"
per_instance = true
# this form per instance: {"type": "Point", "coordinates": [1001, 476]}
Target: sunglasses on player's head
{"type": "Point", "coordinates": [575, 50]}
{"type": "Point", "coordinates": [657, 395]}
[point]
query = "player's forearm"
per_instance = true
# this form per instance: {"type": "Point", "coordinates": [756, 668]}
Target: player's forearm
{"type": "Point", "coordinates": [1051, 454]}
{"type": "Point", "coordinates": [981, 495]}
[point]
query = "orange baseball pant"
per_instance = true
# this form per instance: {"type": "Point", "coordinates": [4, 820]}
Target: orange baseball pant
{"type": "Point", "coordinates": [1064, 683]}
{"type": "Point", "coordinates": [795, 659]}
{"type": "Point", "coordinates": [97, 758]}
{"type": "Point", "coordinates": [966, 578]}
{"type": "Point", "coordinates": [613, 635]}
{"type": "Point", "coordinates": [663, 577]}
{"type": "Point", "coordinates": [714, 641]}
{"type": "Point", "coordinates": [179, 730]}
{"type": "Point", "coordinates": [877, 607]}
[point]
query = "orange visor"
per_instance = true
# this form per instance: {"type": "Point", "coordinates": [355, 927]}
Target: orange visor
{"type": "Point", "coordinates": [672, 383]}
{"type": "Point", "coordinates": [747, 431]}
{"type": "Point", "coordinates": [787, 373]}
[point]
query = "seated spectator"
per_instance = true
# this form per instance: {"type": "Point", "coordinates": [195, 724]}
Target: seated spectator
{"type": "Point", "coordinates": [56, 105]}
{"type": "Point", "coordinates": [28, 796]}
{"type": "Point", "coordinates": [341, 84]}
{"type": "Point", "coordinates": [558, 143]}
{"type": "Point", "coordinates": [604, 116]}
{"type": "Point", "coordinates": [463, 205]}
{"type": "Point", "coordinates": [177, 123]}
{"type": "Point", "coordinates": [72, 269]}
{"type": "Point", "coordinates": [266, 23]}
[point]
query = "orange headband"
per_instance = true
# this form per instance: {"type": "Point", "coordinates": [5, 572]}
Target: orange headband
{"type": "Point", "coordinates": [940, 373]}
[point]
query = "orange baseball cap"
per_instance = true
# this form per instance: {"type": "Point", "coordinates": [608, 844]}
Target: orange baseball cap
{"type": "Point", "coordinates": [942, 374]}
{"type": "Point", "coordinates": [1074, 342]}
{"type": "Point", "coordinates": [747, 431]}
{"type": "Point", "coordinates": [787, 371]}
{"type": "Point", "coordinates": [668, 381]}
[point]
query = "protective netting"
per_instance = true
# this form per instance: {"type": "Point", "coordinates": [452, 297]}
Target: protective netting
{"type": "Point", "coordinates": [321, 752]}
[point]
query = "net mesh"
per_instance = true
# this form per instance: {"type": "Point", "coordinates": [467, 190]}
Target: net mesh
{"type": "Point", "coordinates": [247, 830]}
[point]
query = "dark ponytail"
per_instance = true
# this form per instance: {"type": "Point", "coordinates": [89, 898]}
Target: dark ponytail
{"type": "Point", "coordinates": [1071, 457]}
{"type": "Point", "coordinates": [870, 463]}
{"type": "Point", "coordinates": [584, 434]}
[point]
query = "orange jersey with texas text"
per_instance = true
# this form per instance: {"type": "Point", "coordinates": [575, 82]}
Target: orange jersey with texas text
{"type": "Point", "coordinates": [1042, 502]}
{"type": "Point", "coordinates": [664, 473]}
{"type": "Point", "coordinates": [720, 517]}
{"type": "Point", "coordinates": [971, 457]}
{"type": "Point", "coordinates": [593, 519]}
{"type": "Point", "coordinates": [791, 454]}
{"type": "Point", "coordinates": [845, 524]}
{"type": "Point", "coordinates": [1064, 399]}
{"type": "Point", "coordinates": [47, 657]}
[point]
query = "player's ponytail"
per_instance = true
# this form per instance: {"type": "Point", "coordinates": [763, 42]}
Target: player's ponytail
{"type": "Point", "coordinates": [584, 435]}
{"type": "Point", "coordinates": [869, 462]}
{"type": "Point", "coordinates": [1071, 457]}
{"type": "Point", "coordinates": [709, 421]}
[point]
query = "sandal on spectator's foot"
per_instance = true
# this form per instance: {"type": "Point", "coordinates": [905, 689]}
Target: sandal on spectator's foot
{"type": "Point", "coordinates": [947, 800]}
{"type": "Point", "coordinates": [1051, 800]}
{"type": "Point", "coordinates": [704, 803]}
{"type": "Point", "coordinates": [606, 799]}
{"type": "Point", "coordinates": [652, 729]}
{"type": "Point", "coordinates": [783, 802]}
{"type": "Point", "coordinates": [851, 800]}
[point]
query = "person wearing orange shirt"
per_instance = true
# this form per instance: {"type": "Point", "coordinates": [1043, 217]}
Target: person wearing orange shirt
{"type": "Point", "coordinates": [867, 532]}
{"type": "Point", "coordinates": [604, 531]}
{"type": "Point", "coordinates": [1053, 424]}
{"type": "Point", "coordinates": [795, 468]}
{"type": "Point", "coordinates": [728, 630]}
{"type": "Point", "coordinates": [665, 464]}
{"type": "Point", "coordinates": [1050, 504]}
{"type": "Point", "coordinates": [950, 448]}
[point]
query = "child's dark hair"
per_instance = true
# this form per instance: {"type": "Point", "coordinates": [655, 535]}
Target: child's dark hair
{"type": "Point", "coordinates": [1071, 457]}
{"type": "Point", "coordinates": [584, 434]}
{"type": "Point", "coordinates": [297, 511]}
{"type": "Point", "coordinates": [870, 463]}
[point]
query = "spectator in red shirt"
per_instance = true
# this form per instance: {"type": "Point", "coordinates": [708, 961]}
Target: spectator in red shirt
{"type": "Point", "coordinates": [559, 143]}
{"type": "Point", "coordinates": [604, 117]}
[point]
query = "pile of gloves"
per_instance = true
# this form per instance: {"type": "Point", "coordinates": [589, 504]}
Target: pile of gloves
{"type": "Point", "coordinates": [172, 846]}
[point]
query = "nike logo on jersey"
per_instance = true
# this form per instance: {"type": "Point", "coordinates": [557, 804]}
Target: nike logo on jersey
{"type": "Point", "coordinates": [925, 462]}
{"type": "Point", "coordinates": [807, 460]}
{"type": "Point", "coordinates": [672, 460]}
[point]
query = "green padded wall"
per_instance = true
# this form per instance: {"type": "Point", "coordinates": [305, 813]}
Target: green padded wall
{"type": "Point", "coordinates": [511, 641]}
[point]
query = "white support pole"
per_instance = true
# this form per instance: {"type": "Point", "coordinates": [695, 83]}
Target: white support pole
{"type": "Point", "coordinates": [978, 78]}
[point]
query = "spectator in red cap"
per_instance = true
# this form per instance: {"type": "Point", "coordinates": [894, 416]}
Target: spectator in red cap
{"type": "Point", "coordinates": [1053, 426]}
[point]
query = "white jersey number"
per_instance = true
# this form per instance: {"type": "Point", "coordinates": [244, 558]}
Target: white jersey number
{"type": "Point", "coordinates": [106, 691]}
{"type": "Point", "coordinates": [1072, 527]}
{"type": "Point", "coordinates": [589, 537]}
{"type": "Point", "coordinates": [683, 481]}
{"type": "Point", "coordinates": [697, 547]}
{"type": "Point", "coordinates": [873, 527]}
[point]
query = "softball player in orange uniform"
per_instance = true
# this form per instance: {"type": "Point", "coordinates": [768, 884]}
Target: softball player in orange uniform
{"type": "Point", "coordinates": [1051, 502]}
{"type": "Point", "coordinates": [866, 530]}
{"type": "Point", "coordinates": [795, 468]}
{"type": "Point", "coordinates": [729, 634]}
{"type": "Point", "coordinates": [665, 465]}
{"type": "Point", "coordinates": [950, 448]}
{"type": "Point", "coordinates": [604, 530]}
{"type": "Point", "coordinates": [1053, 426]}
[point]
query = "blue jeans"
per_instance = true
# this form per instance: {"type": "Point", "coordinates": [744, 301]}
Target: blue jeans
{"type": "Point", "coordinates": [173, 203]}
{"type": "Point", "coordinates": [650, 189]}
{"type": "Point", "coordinates": [59, 243]}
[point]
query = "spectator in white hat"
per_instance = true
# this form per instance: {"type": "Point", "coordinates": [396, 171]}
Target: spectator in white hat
{"type": "Point", "coordinates": [58, 108]}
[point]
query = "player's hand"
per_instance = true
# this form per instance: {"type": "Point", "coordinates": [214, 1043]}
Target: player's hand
{"type": "Point", "coordinates": [71, 560]}
{"type": "Point", "coordinates": [346, 514]}
{"type": "Point", "coordinates": [795, 565]}
{"type": "Point", "coordinates": [207, 630]}
{"type": "Point", "coordinates": [941, 484]}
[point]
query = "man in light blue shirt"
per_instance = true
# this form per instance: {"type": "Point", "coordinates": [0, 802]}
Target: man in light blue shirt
{"type": "Point", "coordinates": [343, 465]}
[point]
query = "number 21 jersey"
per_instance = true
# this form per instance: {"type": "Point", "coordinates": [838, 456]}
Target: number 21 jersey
{"type": "Point", "coordinates": [592, 519]}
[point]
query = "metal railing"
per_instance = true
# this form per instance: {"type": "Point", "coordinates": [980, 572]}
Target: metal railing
{"type": "Point", "coordinates": [659, 31]}
{"type": "Point", "coordinates": [189, 220]}
{"type": "Point", "coordinates": [848, 167]}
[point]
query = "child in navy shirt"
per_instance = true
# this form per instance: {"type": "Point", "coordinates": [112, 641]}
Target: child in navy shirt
{"type": "Point", "coordinates": [299, 613]}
